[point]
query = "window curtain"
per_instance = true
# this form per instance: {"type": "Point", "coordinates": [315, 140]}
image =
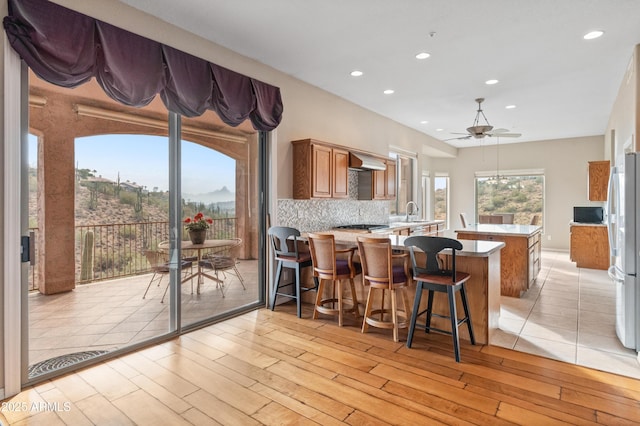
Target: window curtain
{"type": "Point", "coordinates": [68, 48]}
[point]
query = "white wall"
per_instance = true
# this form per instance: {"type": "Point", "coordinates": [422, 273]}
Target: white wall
{"type": "Point", "coordinates": [623, 121]}
{"type": "Point", "coordinates": [565, 165]}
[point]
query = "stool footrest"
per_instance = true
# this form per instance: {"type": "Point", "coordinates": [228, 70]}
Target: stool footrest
{"type": "Point", "coordinates": [402, 322]}
{"type": "Point", "coordinates": [320, 307]}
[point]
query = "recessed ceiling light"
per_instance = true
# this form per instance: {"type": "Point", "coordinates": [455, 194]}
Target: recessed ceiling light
{"type": "Point", "coordinates": [388, 92]}
{"type": "Point", "coordinates": [510, 106]}
{"type": "Point", "coordinates": [492, 81]}
{"type": "Point", "coordinates": [356, 73]}
{"type": "Point", "coordinates": [422, 55]}
{"type": "Point", "coordinates": [439, 130]}
{"type": "Point", "coordinates": [593, 34]}
{"type": "Point", "coordinates": [424, 122]}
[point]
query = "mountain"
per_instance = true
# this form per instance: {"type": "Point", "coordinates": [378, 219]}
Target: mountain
{"type": "Point", "coordinates": [221, 195]}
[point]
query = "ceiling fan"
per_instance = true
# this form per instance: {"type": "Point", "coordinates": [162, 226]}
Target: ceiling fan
{"type": "Point", "coordinates": [479, 131]}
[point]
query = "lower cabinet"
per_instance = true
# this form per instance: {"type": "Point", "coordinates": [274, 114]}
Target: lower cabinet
{"type": "Point", "coordinates": [590, 246]}
{"type": "Point", "coordinates": [535, 249]}
{"type": "Point", "coordinates": [519, 259]}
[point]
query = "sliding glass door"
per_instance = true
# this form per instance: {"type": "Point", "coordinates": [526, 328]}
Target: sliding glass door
{"type": "Point", "coordinates": [104, 179]}
{"type": "Point", "coordinates": [219, 184]}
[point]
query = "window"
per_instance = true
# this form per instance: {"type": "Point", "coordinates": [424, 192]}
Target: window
{"type": "Point", "coordinates": [405, 165]}
{"type": "Point", "coordinates": [441, 198]}
{"type": "Point", "coordinates": [517, 195]}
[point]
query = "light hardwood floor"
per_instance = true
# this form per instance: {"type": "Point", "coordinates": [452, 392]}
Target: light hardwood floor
{"type": "Point", "coordinates": [273, 368]}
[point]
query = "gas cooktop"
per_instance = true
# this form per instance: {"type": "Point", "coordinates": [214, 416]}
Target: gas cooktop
{"type": "Point", "coordinates": [361, 227]}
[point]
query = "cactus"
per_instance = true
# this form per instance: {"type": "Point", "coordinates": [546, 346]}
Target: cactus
{"type": "Point", "coordinates": [137, 206]}
{"type": "Point", "coordinates": [86, 271]}
{"type": "Point", "coordinates": [93, 196]}
{"type": "Point", "coordinates": [117, 187]}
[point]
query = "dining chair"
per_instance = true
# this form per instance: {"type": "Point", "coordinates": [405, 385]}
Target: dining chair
{"type": "Point", "coordinates": [431, 276]}
{"type": "Point", "coordinates": [463, 220]}
{"type": "Point", "coordinates": [160, 267]}
{"type": "Point", "coordinates": [333, 265]}
{"type": "Point", "coordinates": [383, 275]}
{"type": "Point", "coordinates": [290, 252]}
{"type": "Point", "coordinates": [535, 220]}
{"type": "Point", "coordinates": [223, 261]}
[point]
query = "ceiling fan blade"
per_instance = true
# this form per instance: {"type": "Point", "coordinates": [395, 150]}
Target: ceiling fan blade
{"type": "Point", "coordinates": [459, 133]}
{"type": "Point", "coordinates": [500, 130]}
{"type": "Point", "coordinates": [506, 135]}
{"type": "Point", "coordinates": [460, 138]}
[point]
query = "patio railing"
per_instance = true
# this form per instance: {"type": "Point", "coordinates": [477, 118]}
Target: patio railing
{"type": "Point", "coordinates": [117, 250]}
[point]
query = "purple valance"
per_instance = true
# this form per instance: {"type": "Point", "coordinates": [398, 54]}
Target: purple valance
{"type": "Point", "coordinates": [67, 48]}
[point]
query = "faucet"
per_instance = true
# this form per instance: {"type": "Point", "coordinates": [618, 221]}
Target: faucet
{"type": "Point", "coordinates": [407, 209]}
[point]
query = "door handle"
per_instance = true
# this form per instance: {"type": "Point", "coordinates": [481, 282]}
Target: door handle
{"type": "Point", "coordinates": [25, 248]}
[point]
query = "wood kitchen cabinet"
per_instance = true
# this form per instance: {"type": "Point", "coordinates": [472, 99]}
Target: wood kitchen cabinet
{"type": "Point", "coordinates": [519, 259]}
{"type": "Point", "coordinates": [320, 170]}
{"type": "Point", "coordinates": [378, 184]}
{"type": "Point", "coordinates": [590, 246]}
{"type": "Point", "coordinates": [598, 180]}
{"type": "Point", "coordinates": [535, 251]}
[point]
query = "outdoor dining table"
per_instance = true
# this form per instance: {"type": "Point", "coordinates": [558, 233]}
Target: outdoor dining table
{"type": "Point", "coordinates": [187, 245]}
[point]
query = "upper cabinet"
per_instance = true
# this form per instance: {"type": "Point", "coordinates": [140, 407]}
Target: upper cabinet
{"type": "Point", "coordinates": [378, 184]}
{"type": "Point", "coordinates": [391, 179]}
{"type": "Point", "coordinates": [598, 180]}
{"type": "Point", "coordinates": [320, 170]}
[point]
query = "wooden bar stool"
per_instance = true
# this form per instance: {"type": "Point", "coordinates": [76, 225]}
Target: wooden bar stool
{"type": "Point", "coordinates": [382, 275]}
{"type": "Point", "coordinates": [331, 264]}
{"type": "Point", "coordinates": [432, 277]}
{"type": "Point", "coordinates": [288, 253]}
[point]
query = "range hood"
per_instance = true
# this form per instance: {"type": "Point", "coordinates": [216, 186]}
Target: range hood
{"type": "Point", "coordinates": [359, 161]}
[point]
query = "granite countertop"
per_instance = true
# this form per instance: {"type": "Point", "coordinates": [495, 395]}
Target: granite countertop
{"type": "Point", "coordinates": [411, 224]}
{"type": "Point", "coordinates": [504, 229]}
{"type": "Point", "coordinates": [586, 224]}
{"type": "Point", "coordinates": [470, 248]}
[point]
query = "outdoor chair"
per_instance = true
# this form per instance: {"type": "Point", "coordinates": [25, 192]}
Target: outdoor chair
{"type": "Point", "coordinates": [160, 267]}
{"type": "Point", "coordinates": [223, 262]}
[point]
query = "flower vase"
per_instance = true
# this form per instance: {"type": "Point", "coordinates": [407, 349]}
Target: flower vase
{"type": "Point", "coordinates": [198, 236]}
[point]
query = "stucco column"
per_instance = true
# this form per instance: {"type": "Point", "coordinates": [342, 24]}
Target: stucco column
{"type": "Point", "coordinates": [56, 210]}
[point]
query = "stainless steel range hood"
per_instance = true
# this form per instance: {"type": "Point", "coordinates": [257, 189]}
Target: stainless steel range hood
{"type": "Point", "coordinates": [359, 161]}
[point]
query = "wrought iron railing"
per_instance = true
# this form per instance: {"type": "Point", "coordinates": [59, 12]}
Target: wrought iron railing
{"type": "Point", "coordinates": [117, 250]}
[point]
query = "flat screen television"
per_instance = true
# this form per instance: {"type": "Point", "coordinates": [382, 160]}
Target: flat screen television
{"type": "Point", "coordinates": [588, 214]}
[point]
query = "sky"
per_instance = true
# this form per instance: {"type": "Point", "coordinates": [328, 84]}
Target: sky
{"type": "Point", "coordinates": [144, 160]}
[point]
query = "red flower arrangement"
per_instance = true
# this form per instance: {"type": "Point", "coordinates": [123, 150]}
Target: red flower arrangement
{"type": "Point", "coordinates": [198, 222]}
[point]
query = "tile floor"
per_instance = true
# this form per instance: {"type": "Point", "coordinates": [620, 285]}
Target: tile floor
{"type": "Point", "coordinates": [112, 314]}
{"type": "Point", "coordinates": [569, 315]}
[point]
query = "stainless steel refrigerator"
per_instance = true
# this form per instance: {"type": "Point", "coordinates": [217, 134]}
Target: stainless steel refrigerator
{"type": "Point", "coordinates": [623, 220]}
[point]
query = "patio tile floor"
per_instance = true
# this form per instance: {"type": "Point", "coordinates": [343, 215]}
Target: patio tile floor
{"type": "Point", "coordinates": [112, 314]}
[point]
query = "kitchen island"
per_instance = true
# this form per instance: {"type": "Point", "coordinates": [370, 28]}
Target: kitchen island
{"type": "Point", "coordinates": [481, 259]}
{"type": "Point", "coordinates": [520, 263]}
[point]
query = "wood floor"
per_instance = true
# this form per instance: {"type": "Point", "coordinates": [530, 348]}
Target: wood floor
{"type": "Point", "coordinates": [272, 368]}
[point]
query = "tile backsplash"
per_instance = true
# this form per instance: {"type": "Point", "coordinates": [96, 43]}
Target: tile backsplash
{"type": "Point", "coordinates": [318, 214]}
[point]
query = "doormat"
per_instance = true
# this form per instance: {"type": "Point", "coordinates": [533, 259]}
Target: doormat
{"type": "Point", "coordinates": [62, 361]}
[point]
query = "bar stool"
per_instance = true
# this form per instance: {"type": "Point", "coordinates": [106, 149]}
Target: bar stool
{"type": "Point", "coordinates": [284, 242]}
{"type": "Point", "coordinates": [379, 271]}
{"type": "Point", "coordinates": [432, 277]}
{"type": "Point", "coordinates": [331, 264]}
